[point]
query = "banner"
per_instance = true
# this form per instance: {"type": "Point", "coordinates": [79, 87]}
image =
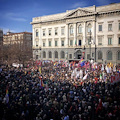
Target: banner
{"type": "Point", "coordinates": [115, 78]}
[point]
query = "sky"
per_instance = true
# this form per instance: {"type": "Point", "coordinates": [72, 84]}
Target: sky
{"type": "Point", "coordinates": [16, 15]}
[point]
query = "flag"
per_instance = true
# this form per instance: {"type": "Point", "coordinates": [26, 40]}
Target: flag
{"type": "Point", "coordinates": [99, 107]}
{"type": "Point", "coordinates": [100, 76]}
{"type": "Point", "coordinates": [81, 60]}
{"type": "Point", "coordinates": [40, 70]}
{"type": "Point", "coordinates": [83, 63]}
{"type": "Point", "coordinates": [7, 96]}
{"type": "Point", "coordinates": [114, 68]}
{"type": "Point", "coordinates": [41, 82]}
{"type": "Point", "coordinates": [102, 69]}
{"type": "Point", "coordinates": [87, 65]}
{"type": "Point", "coordinates": [85, 77]}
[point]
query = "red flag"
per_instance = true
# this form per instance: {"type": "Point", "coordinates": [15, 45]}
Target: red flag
{"type": "Point", "coordinates": [99, 107]}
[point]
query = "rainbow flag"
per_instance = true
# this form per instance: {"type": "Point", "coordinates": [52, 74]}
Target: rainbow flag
{"type": "Point", "coordinates": [81, 60]}
{"type": "Point", "coordinates": [7, 96]}
{"type": "Point", "coordinates": [7, 91]}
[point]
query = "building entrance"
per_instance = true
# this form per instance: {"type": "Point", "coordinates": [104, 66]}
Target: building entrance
{"type": "Point", "coordinates": [78, 54]}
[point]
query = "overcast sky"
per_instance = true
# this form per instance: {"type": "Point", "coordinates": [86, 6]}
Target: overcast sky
{"type": "Point", "coordinates": [16, 15]}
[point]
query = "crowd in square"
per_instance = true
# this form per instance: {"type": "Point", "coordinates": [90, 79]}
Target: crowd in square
{"type": "Point", "coordinates": [59, 92]}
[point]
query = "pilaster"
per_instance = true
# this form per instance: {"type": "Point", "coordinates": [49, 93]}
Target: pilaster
{"type": "Point", "coordinates": [84, 33]}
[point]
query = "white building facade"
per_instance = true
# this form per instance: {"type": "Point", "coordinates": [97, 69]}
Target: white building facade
{"type": "Point", "coordinates": [91, 32]}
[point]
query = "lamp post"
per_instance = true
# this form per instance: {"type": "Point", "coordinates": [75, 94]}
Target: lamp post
{"type": "Point", "coordinates": [95, 52]}
{"type": "Point", "coordinates": [40, 59]}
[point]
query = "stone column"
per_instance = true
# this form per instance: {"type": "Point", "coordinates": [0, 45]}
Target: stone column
{"type": "Point", "coordinates": [94, 31]}
{"type": "Point", "coordinates": [67, 35]}
{"type": "Point", "coordinates": [33, 39]}
{"type": "Point", "coordinates": [40, 40]}
{"type": "Point", "coordinates": [75, 33]}
{"type": "Point", "coordinates": [53, 55]}
{"type": "Point", "coordinates": [84, 33]}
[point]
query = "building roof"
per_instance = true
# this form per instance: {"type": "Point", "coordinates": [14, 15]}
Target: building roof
{"type": "Point", "coordinates": [60, 16]}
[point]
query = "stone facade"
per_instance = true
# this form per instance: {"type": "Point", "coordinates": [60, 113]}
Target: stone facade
{"type": "Point", "coordinates": [91, 32]}
{"type": "Point", "coordinates": [18, 38]}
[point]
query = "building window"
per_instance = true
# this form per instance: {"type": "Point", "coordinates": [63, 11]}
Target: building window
{"type": "Point", "coordinates": [70, 56]}
{"type": "Point", "coordinates": [100, 41]}
{"type": "Point", "coordinates": [118, 55]}
{"type": "Point", "coordinates": [119, 26]}
{"type": "Point", "coordinates": [56, 43]}
{"type": "Point", "coordinates": [80, 29]}
{"type": "Point", "coordinates": [88, 56]}
{"type": "Point", "coordinates": [36, 43]}
{"type": "Point", "coordinates": [49, 43]}
{"type": "Point", "coordinates": [56, 32]}
{"type": "Point", "coordinates": [109, 55]}
{"type": "Point", "coordinates": [109, 27]}
{"type": "Point", "coordinates": [43, 43]}
{"type": "Point", "coordinates": [36, 33]}
{"type": "Point", "coordinates": [49, 32]}
{"type": "Point", "coordinates": [62, 54]}
{"type": "Point", "coordinates": [62, 31]}
{"type": "Point", "coordinates": [89, 28]}
{"type": "Point", "coordinates": [109, 41]}
{"type": "Point", "coordinates": [43, 32]}
{"type": "Point", "coordinates": [62, 43]}
{"type": "Point", "coordinates": [93, 55]}
{"type": "Point", "coordinates": [50, 54]}
{"type": "Point", "coordinates": [119, 40]}
{"type": "Point", "coordinates": [71, 29]}
{"type": "Point", "coordinates": [44, 54]}
{"type": "Point", "coordinates": [79, 42]}
{"type": "Point", "coordinates": [71, 42]}
{"type": "Point", "coordinates": [99, 55]}
{"type": "Point", "coordinates": [36, 57]}
{"type": "Point", "coordinates": [100, 28]}
{"type": "Point", "coordinates": [56, 54]}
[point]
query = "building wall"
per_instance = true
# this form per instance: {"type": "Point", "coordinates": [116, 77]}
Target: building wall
{"type": "Point", "coordinates": [93, 16]}
{"type": "Point", "coordinates": [18, 38]}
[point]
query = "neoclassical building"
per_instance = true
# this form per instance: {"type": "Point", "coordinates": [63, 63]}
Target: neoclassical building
{"type": "Point", "coordinates": [90, 32]}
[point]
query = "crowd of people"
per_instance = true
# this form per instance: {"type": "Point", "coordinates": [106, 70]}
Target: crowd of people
{"type": "Point", "coordinates": [55, 93]}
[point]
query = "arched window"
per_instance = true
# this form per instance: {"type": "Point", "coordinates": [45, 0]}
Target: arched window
{"type": "Point", "coordinates": [89, 27]}
{"type": "Point", "coordinates": [80, 29]}
{"type": "Point", "coordinates": [56, 54]}
{"type": "Point", "coordinates": [71, 29]}
{"type": "Point", "coordinates": [99, 55]}
{"type": "Point", "coordinates": [44, 54]}
{"type": "Point", "coordinates": [36, 33]}
{"type": "Point", "coordinates": [109, 55]}
{"type": "Point", "coordinates": [50, 54]}
{"type": "Point", "coordinates": [62, 54]}
{"type": "Point", "coordinates": [118, 55]}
